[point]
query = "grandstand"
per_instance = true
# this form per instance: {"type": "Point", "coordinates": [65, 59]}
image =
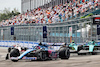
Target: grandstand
{"type": "Point", "coordinates": [59, 12]}
{"type": "Point", "coordinates": [32, 4]}
{"type": "Point", "coordinates": [58, 16]}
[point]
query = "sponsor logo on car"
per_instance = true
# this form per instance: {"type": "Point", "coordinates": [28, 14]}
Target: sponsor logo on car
{"type": "Point", "coordinates": [31, 58]}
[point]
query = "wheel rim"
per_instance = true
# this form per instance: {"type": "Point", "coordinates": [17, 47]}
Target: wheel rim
{"type": "Point", "coordinates": [43, 56]}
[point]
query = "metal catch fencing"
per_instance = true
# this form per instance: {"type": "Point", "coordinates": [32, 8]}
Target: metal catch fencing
{"type": "Point", "coordinates": [82, 30]}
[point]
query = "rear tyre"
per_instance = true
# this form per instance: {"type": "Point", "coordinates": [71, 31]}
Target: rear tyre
{"type": "Point", "coordinates": [94, 53]}
{"type": "Point", "coordinates": [64, 53]}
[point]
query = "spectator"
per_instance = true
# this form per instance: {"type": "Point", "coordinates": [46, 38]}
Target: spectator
{"type": "Point", "coordinates": [58, 13]}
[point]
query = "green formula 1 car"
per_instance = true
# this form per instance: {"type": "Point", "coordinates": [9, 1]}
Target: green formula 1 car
{"type": "Point", "coordinates": [74, 48]}
{"type": "Point", "coordinates": [91, 47]}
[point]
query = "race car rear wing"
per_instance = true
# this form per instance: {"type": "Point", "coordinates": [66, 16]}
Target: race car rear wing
{"type": "Point", "coordinates": [57, 44]}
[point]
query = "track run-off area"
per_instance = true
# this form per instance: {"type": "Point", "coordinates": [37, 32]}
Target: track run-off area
{"type": "Point", "coordinates": [74, 61]}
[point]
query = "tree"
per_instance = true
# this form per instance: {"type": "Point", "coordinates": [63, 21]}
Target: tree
{"type": "Point", "coordinates": [15, 10]}
{"type": "Point", "coordinates": [6, 10]}
{"type": "Point", "coordinates": [8, 14]}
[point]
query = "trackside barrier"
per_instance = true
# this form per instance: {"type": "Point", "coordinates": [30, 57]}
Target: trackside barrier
{"type": "Point", "coordinates": [27, 44]}
{"type": "Point", "coordinates": [21, 43]}
{"type": "Point", "coordinates": [30, 45]}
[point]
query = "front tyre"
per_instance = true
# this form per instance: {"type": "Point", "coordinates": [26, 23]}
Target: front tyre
{"type": "Point", "coordinates": [14, 53]}
{"type": "Point", "coordinates": [64, 53]}
{"type": "Point", "coordinates": [14, 60]}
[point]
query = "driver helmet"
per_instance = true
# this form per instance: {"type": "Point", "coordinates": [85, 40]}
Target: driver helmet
{"type": "Point", "coordinates": [93, 41]}
{"type": "Point", "coordinates": [40, 43]}
{"type": "Point", "coordinates": [72, 41]}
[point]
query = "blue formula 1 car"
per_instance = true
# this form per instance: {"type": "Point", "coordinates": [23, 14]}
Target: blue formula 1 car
{"type": "Point", "coordinates": [41, 52]}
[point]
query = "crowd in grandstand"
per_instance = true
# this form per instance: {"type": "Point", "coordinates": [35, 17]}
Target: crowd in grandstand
{"type": "Point", "coordinates": [56, 14]}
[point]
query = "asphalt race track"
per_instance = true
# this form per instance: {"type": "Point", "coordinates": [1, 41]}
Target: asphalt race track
{"type": "Point", "coordinates": [74, 61]}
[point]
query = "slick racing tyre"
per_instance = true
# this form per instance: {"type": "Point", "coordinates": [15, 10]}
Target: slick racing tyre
{"type": "Point", "coordinates": [94, 53]}
{"type": "Point", "coordinates": [64, 53]}
{"type": "Point", "coordinates": [14, 53]}
{"type": "Point", "coordinates": [80, 48]}
{"type": "Point", "coordinates": [9, 49]}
